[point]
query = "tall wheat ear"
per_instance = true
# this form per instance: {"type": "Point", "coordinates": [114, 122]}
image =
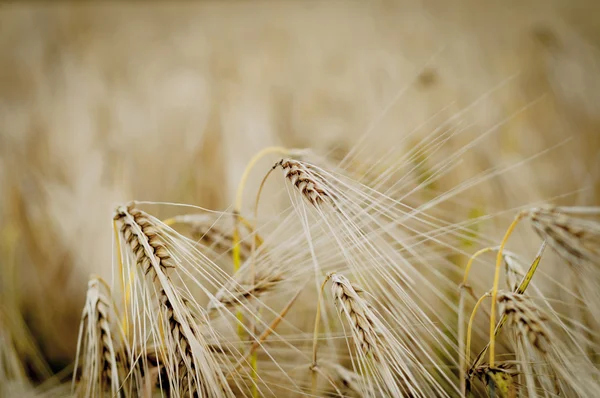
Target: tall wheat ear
{"type": "Point", "coordinates": [176, 323]}
{"type": "Point", "coordinates": [574, 232]}
{"type": "Point", "coordinates": [574, 238]}
{"type": "Point", "coordinates": [543, 355]}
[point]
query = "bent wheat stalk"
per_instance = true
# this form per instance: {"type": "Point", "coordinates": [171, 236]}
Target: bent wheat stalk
{"type": "Point", "coordinates": [570, 232]}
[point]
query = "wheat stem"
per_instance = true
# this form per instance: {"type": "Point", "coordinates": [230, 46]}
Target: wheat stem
{"type": "Point", "coordinates": [240, 196]}
{"type": "Point", "coordinates": [318, 318]}
{"type": "Point", "coordinates": [236, 252]}
{"type": "Point", "coordinates": [470, 324]}
{"type": "Point", "coordinates": [461, 329]}
{"type": "Point", "coordinates": [509, 231]}
{"type": "Point", "coordinates": [125, 319]}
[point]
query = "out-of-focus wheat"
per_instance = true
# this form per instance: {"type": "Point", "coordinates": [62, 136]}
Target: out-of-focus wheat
{"type": "Point", "coordinates": [419, 154]}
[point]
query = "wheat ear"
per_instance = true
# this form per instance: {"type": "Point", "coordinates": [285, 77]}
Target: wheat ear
{"type": "Point", "coordinates": [193, 369]}
{"type": "Point", "coordinates": [357, 312]}
{"type": "Point", "coordinates": [570, 231]}
{"type": "Point", "coordinates": [142, 234]}
{"type": "Point", "coordinates": [522, 314]}
{"type": "Point", "coordinates": [213, 232]}
{"type": "Point", "coordinates": [100, 364]}
{"type": "Point", "coordinates": [306, 181]}
{"type": "Point", "coordinates": [499, 380]}
{"type": "Point", "coordinates": [243, 287]}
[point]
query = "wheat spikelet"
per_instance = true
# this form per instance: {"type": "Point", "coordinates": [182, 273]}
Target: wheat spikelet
{"type": "Point", "coordinates": [528, 322]}
{"type": "Point", "coordinates": [141, 233]}
{"type": "Point", "coordinates": [100, 362]}
{"type": "Point", "coordinates": [187, 367]}
{"type": "Point", "coordinates": [219, 241]}
{"type": "Point", "coordinates": [243, 287]}
{"type": "Point", "coordinates": [349, 303]}
{"type": "Point", "coordinates": [574, 234]}
{"type": "Point", "coordinates": [396, 370]}
{"type": "Point", "coordinates": [514, 272]}
{"type": "Point", "coordinates": [306, 181]}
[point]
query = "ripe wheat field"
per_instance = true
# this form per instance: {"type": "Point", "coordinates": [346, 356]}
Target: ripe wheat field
{"type": "Point", "coordinates": [286, 198]}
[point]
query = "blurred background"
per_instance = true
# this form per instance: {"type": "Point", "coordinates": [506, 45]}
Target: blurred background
{"type": "Point", "coordinates": [102, 103]}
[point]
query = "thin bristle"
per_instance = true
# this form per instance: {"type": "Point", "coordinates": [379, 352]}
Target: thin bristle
{"type": "Point", "coordinates": [141, 233]}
